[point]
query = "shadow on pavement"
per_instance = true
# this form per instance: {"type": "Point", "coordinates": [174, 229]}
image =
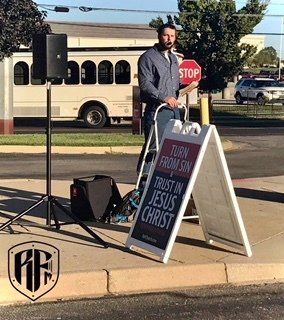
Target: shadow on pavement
{"type": "Point", "coordinates": [203, 244]}
{"type": "Point", "coordinates": [15, 201]}
{"type": "Point", "coordinates": [271, 196]}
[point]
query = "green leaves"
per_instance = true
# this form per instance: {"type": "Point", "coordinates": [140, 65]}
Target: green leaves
{"type": "Point", "coordinates": [211, 33]}
{"type": "Point", "coordinates": [19, 20]}
{"type": "Point", "coordinates": [265, 57]}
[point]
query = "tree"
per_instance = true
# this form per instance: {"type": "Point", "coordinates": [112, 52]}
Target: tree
{"type": "Point", "coordinates": [265, 57]}
{"type": "Point", "coordinates": [19, 20]}
{"type": "Point", "coordinates": [210, 33]}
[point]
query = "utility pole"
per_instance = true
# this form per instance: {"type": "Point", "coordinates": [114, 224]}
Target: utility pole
{"type": "Point", "coordinates": [280, 49]}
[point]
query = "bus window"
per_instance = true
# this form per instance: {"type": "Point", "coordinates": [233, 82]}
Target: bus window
{"type": "Point", "coordinates": [36, 81]}
{"type": "Point", "coordinates": [88, 72]}
{"type": "Point", "coordinates": [105, 72]}
{"type": "Point", "coordinates": [73, 73]}
{"type": "Point", "coordinates": [21, 73]}
{"type": "Point", "coordinates": [56, 81]}
{"type": "Point", "coordinates": [122, 72]}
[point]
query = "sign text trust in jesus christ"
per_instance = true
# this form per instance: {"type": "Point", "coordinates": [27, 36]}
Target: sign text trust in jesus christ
{"type": "Point", "coordinates": [165, 193]}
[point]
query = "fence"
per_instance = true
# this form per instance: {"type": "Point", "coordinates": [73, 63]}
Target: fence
{"type": "Point", "coordinates": [228, 110]}
{"type": "Point", "coordinates": [250, 109]}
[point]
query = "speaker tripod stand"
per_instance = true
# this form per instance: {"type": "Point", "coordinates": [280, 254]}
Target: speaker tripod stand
{"type": "Point", "coordinates": [51, 201]}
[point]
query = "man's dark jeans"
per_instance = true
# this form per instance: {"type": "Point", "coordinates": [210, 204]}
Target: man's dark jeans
{"type": "Point", "coordinates": [163, 117]}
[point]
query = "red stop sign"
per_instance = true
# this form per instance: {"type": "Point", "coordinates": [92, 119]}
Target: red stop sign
{"type": "Point", "coordinates": [189, 71]}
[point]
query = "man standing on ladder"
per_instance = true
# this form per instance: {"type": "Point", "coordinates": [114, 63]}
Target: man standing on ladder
{"type": "Point", "coordinates": [158, 77]}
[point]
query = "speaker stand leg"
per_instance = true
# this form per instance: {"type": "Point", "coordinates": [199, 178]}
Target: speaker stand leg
{"type": "Point", "coordinates": [51, 201]}
{"type": "Point", "coordinates": [79, 222]}
{"type": "Point", "coordinates": [21, 214]}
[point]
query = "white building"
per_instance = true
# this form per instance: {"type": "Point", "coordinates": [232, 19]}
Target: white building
{"type": "Point", "coordinates": [105, 34]}
{"type": "Point", "coordinates": [109, 35]}
{"type": "Point", "coordinates": [255, 40]}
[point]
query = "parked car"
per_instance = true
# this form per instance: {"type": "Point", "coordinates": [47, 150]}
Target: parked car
{"type": "Point", "coordinates": [275, 76]}
{"type": "Point", "coordinates": [247, 74]}
{"type": "Point", "coordinates": [265, 73]}
{"type": "Point", "coordinates": [260, 90]}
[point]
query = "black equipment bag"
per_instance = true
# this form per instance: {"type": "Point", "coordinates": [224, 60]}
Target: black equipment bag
{"type": "Point", "coordinates": [94, 198]}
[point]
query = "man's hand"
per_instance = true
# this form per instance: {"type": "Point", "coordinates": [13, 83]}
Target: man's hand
{"type": "Point", "coordinates": [172, 102]}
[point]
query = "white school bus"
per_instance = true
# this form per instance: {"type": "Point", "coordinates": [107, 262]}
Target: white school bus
{"type": "Point", "coordinates": [99, 87]}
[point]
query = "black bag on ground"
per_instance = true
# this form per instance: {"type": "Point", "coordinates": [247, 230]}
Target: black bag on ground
{"type": "Point", "coordinates": [94, 198]}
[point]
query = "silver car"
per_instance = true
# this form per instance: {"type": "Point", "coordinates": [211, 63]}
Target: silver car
{"type": "Point", "coordinates": [260, 90]}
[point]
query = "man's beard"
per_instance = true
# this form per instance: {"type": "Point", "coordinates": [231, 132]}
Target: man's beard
{"type": "Point", "coordinates": [167, 45]}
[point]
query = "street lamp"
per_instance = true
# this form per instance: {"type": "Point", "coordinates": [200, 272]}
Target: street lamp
{"type": "Point", "coordinates": [54, 8]}
{"type": "Point", "coordinates": [61, 9]}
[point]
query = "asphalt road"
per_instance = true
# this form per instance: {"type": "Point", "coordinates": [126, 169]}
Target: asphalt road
{"type": "Point", "coordinates": [223, 303]}
{"type": "Point", "coordinates": [225, 127]}
{"type": "Point", "coordinates": [38, 126]}
{"type": "Point", "coordinates": [257, 156]}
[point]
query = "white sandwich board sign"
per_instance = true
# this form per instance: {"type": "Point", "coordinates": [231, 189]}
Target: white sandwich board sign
{"type": "Point", "coordinates": [190, 161]}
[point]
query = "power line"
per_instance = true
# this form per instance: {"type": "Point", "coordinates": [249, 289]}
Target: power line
{"type": "Point", "coordinates": [270, 3]}
{"type": "Point", "coordinates": [141, 27]}
{"type": "Point", "coordinates": [229, 1]}
{"type": "Point", "coordinates": [88, 9]}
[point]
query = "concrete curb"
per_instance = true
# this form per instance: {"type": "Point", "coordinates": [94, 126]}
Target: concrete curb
{"type": "Point", "coordinates": [227, 146]}
{"type": "Point", "coordinates": [69, 286]}
{"type": "Point", "coordinates": [71, 150]}
{"type": "Point", "coordinates": [257, 272]}
{"type": "Point", "coordinates": [138, 280]}
{"type": "Point", "coordinates": [169, 277]}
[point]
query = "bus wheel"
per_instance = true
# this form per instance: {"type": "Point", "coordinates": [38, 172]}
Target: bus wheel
{"type": "Point", "coordinates": [94, 117]}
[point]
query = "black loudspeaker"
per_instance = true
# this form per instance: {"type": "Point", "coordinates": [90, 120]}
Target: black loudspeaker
{"type": "Point", "coordinates": [93, 198]}
{"type": "Point", "coordinates": [50, 56]}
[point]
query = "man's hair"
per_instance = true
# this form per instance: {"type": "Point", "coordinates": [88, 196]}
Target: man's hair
{"type": "Point", "coordinates": [164, 26]}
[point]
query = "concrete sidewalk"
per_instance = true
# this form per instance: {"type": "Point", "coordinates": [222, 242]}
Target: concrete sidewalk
{"type": "Point", "coordinates": [87, 269]}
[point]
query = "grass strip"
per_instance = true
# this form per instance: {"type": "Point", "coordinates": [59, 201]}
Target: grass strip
{"type": "Point", "coordinates": [74, 139]}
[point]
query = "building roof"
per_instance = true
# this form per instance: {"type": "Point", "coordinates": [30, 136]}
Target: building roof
{"type": "Point", "coordinates": [103, 30]}
{"type": "Point", "coordinates": [126, 34]}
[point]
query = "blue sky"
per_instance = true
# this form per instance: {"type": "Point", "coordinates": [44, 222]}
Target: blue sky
{"type": "Point", "coordinates": [270, 24]}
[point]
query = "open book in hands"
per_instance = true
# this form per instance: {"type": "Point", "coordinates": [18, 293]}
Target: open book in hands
{"type": "Point", "coordinates": [188, 88]}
